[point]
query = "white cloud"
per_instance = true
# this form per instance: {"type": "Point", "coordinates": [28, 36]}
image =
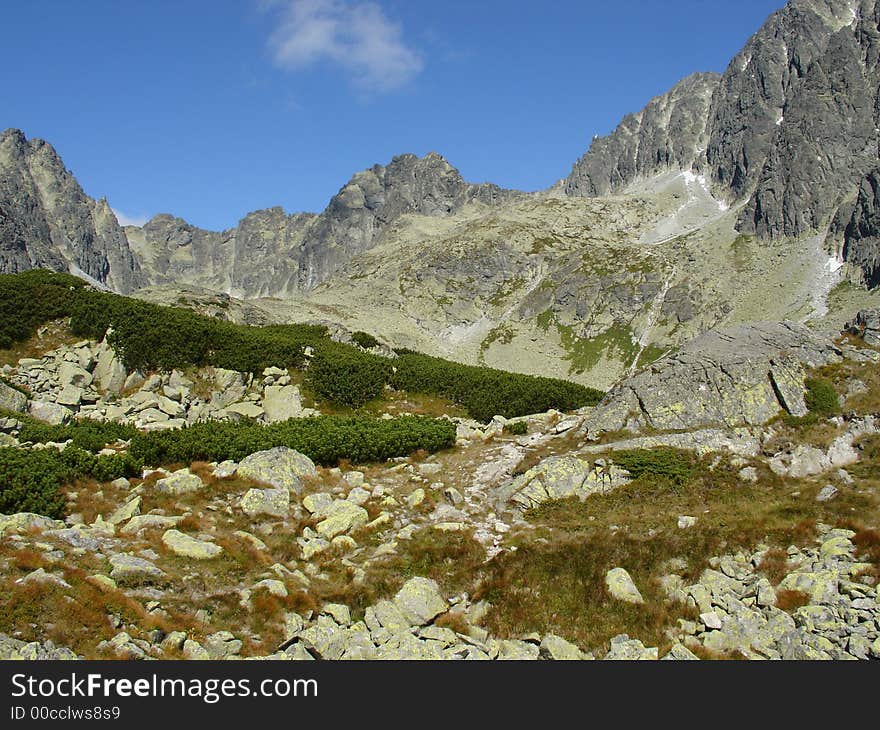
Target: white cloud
{"type": "Point", "coordinates": [129, 220]}
{"type": "Point", "coordinates": [353, 34]}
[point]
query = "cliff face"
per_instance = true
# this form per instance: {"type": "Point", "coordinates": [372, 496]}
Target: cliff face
{"type": "Point", "coordinates": [46, 220]}
{"type": "Point", "coordinates": [669, 133]}
{"type": "Point", "coordinates": [790, 133]}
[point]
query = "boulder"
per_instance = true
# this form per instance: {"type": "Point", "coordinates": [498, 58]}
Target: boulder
{"type": "Point", "coordinates": [12, 399]}
{"type": "Point", "coordinates": [273, 502]}
{"type": "Point", "coordinates": [621, 586]}
{"type": "Point", "coordinates": [190, 547]}
{"type": "Point", "coordinates": [183, 481]}
{"type": "Point", "coordinates": [745, 375]}
{"type": "Point", "coordinates": [419, 601]}
{"type": "Point", "coordinates": [558, 477]}
{"type": "Point", "coordinates": [109, 374]}
{"type": "Point", "coordinates": [280, 467]}
{"type": "Point", "coordinates": [341, 517]}
{"type": "Point", "coordinates": [132, 570]}
{"type": "Point", "coordinates": [282, 402]}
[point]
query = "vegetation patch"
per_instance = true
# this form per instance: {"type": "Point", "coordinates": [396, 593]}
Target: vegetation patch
{"type": "Point", "coordinates": [324, 439]}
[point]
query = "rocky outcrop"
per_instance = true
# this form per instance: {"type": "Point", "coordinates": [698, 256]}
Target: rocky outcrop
{"type": "Point", "coordinates": [744, 375]}
{"type": "Point", "coordinates": [857, 225]}
{"type": "Point", "coordinates": [47, 221]}
{"type": "Point", "coordinates": [867, 326]}
{"type": "Point", "coordinates": [669, 133]}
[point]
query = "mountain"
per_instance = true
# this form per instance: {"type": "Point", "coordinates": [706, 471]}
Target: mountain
{"type": "Point", "coordinates": [788, 134]}
{"type": "Point", "coordinates": [734, 197]}
{"type": "Point", "coordinates": [271, 253]}
{"type": "Point", "coordinates": [46, 220]}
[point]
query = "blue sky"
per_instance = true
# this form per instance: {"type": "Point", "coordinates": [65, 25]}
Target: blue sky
{"type": "Point", "coordinates": [209, 109]}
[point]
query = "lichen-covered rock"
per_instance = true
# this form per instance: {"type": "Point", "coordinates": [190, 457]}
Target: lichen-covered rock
{"type": "Point", "coordinates": [132, 570]}
{"type": "Point", "coordinates": [183, 481]}
{"type": "Point", "coordinates": [558, 477]}
{"type": "Point", "coordinates": [621, 586]}
{"type": "Point", "coordinates": [340, 517]}
{"type": "Point", "coordinates": [745, 375]}
{"type": "Point", "coordinates": [419, 601]}
{"type": "Point", "coordinates": [190, 547]}
{"type": "Point", "coordinates": [12, 399]}
{"type": "Point", "coordinates": [280, 467]}
{"type": "Point", "coordinates": [273, 502]}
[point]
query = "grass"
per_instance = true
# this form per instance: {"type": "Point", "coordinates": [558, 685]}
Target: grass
{"type": "Point", "coordinates": [583, 353]}
{"type": "Point", "coordinates": [450, 558]}
{"type": "Point", "coordinates": [554, 580]}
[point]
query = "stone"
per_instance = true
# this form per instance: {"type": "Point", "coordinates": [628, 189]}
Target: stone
{"type": "Point", "coordinates": [71, 374]}
{"type": "Point", "coordinates": [281, 467]}
{"type": "Point", "coordinates": [359, 496]}
{"type": "Point", "coordinates": [148, 522]}
{"type": "Point", "coordinates": [339, 612]}
{"type": "Point", "coordinates": [685, 521]}
{"type": "Point", "coordinates": [190, 547]}
{"type": "Point", "coordinates": [70, 395]}
{"type": "Point", "coordinates": [180, 482]}
{"type": "Point", "coordinates": [273, 502]}
{"type": "Point", "coordinates": [282, 402]}
{"type": "Point", "coordinates": [318, 503]}
{"type": "Point", "coordinates": [12, 399]}
{"type": "Point", "coordinates": [132, 570]}
{"type": "Point", "coordinates": [341, 517]}
{"type": "Point", "coordinates": [625, 649]}
{"type": "Point", "coordinates": [419, 601]}
{"type": "Point", "coordinates": [679, 652]}
{"type": "Point", "coordinates": [827, 493]}
{"type": "Point", "coordinates": [126, 512]}
{"type": "Point", "coordinates": [27, 522]}
{"type": "Point", "coordinates": [555, 647]}
{"type": "Point", "coordinates": [620, 586]}
{"type": "Point", "coordinates": [194, 651]}
{"type": "Point", "coordinates": [416, 497]}
{"type": "Point", "coordinates": [721, 378]}
{"type": "Point", "coordinates": [274, 587]}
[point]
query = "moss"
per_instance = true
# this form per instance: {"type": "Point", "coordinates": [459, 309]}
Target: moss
{"type": "Point", "coordinates": [544, 319]}
{"type": "Point", "coordinates": [585, 353]}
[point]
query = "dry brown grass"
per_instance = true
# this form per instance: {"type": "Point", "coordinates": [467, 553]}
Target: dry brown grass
{"type": "Point", "coordinates": [52, 335]}
{"type": "Point", "coordinates": [554, 581]}
{"type": "Point", "coordinates": [791, 600]}
{"type": "Point", "coordinates": [455, 621]}
{"type": "Point", "coordinates": [774, 565]}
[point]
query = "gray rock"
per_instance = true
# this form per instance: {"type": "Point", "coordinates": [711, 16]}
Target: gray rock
{"type": "Point", "coordinates": [132, 570]}
{"type": "Point", "coordinates": [620, 586]}
{"type": "Point", "coordinates": [280, 467]}
{"type": "Point", "coordinates": [419, 601]}
{"type": "Point", "coordinates": [723, 377]}
{"type": "Point", "coordinates": [273, 502]}
{"type": "Point", "coordinates": [12, 399]}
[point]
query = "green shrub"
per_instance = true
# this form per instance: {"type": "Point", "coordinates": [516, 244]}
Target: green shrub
{"type": "Point", "coordinates": [821, 397]}
{"type": "Point", "coordinates": [30, 299]}
{"type": "Point", "coordinates": [486, 392]}
{"type": "Point", "coordinates": [517, 428]}
{"type": "Point", "coordinates": [324, 439]}
{"type": "Point", "coordinates": [665, 462]}
{"type": "Point", "coordinates": [31, 479]}
{"type": "Point", "coordinates": [347, 376]}
{"type": "Point", "coordinates": [364, 339]}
